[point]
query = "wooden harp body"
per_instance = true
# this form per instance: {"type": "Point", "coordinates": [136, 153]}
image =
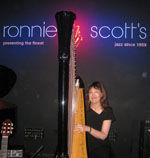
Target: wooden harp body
{"type": "Point", "coordinates": [70, 96]}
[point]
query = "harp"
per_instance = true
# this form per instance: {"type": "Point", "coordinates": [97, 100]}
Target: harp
{"type": "Point", "coordinates": [70, 95]}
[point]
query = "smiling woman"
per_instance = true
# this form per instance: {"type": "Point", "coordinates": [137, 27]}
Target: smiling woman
{"type": "Point", "coordinates": [99, 121]}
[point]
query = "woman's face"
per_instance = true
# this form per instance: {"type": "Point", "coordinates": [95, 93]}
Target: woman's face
{"type": "Point", "coordinates": [94, 95]}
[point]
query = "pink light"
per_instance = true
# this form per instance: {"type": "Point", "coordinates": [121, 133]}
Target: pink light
{"type": "Point", "coordinates": [77, 35]}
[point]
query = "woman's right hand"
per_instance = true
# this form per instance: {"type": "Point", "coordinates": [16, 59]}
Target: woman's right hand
{"type": "Point", "coordinates": [81, 128]}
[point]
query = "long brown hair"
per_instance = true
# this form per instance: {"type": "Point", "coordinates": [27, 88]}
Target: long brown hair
{"type": "Point", "coordinates": [104, 98]}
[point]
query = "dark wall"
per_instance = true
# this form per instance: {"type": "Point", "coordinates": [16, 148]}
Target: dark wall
{"type": "Point", "coordinates": [125, 71]}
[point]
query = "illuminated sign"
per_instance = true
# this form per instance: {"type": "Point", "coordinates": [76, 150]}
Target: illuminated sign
{"type": "Point", "coordinates": [117, 32]}
{"type": "Point", "coordinates": [77, 35]}
{"type": "Point", "coordinates": [28, 35]}
{"type": "Point", "coordinates": [130, 31]}
{"type": "Point", "coordinates": [30, 31]}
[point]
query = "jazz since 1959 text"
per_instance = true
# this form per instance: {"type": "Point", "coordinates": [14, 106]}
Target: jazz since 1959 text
{"type": "Point", "coordinates": [126, 44]}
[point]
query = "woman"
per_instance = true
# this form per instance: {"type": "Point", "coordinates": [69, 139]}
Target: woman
{"type": "Point", "coordinates": [99, 120]}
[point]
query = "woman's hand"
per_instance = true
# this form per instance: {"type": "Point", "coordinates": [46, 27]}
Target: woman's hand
{"type": "Point", "coordinates": [81, 128]}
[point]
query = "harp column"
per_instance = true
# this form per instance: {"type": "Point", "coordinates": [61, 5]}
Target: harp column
{"type": "Point", "coordinates": [64, 20]}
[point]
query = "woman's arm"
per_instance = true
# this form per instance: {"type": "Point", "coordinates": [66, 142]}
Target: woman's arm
{"type": "Point", "coordinates": [95, 133]}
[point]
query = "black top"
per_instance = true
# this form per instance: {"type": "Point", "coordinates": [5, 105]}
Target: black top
{"type": "Point", "coordinates": [95, 121]}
